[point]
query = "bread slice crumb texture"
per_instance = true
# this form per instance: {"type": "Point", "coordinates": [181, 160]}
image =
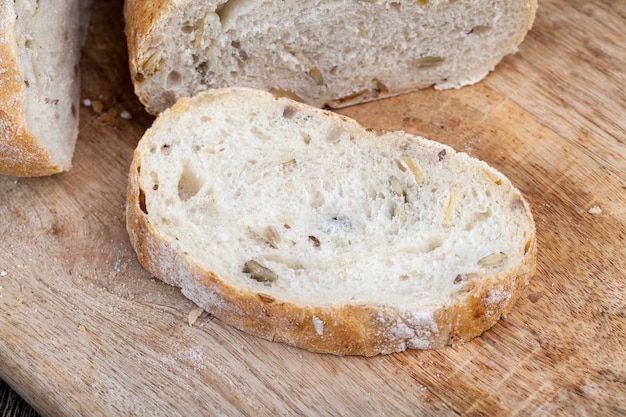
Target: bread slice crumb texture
{"type": "Point", "coordinates": [305, 206]}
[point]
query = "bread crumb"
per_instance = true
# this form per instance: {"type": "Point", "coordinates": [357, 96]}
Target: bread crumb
{"type": "Point", "coordinates": [125, 114]}
{"type": "Point", "coordinates": [97, 106]}
{"type": "Point", "coordinates": [86, 102]}
{"type": "Point", "coordinates": [193, 315]}
{"type": "Point", "coordinates": [105, 118]}
{"type": "Point", "coordinates": [595, 210]}
{"type": "Point", "coordinates": [534, 297]}
{"type": "Point", "coordinates": [3, 273]}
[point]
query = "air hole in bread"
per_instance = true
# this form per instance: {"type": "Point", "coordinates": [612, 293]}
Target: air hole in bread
{"type": "Point", "coordinates": [317, 199]}
{"type": "Point", "coordinates": [189, 183]}
{"type": "Point", "coordinates": [335, 135]}
{"type": "Point", "coordinates": [166, 149]}
{"type": "Point", "coordinates": [173, 80]}
{"type": "Point", "coordinates": [479, 29]}
{"type": "Point", "coordinates": [142, 201]}
{"type": "Point", "coordinates": [260, 133]}
{"type": "Point", "coordinates": [477, 219]}
{"type": "Point", "coordinates": [288, 112]}
{"type": "Point", "coordinates": [155, 179]}
{"type": "Point", "coordinates": [433, 243]}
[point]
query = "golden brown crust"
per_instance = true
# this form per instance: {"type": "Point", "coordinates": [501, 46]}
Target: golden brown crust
{"type": "Point", "coordinates": [20, 152]}
{"type": "Point", "coordinates": [532, 11]}
{"type": "Point", "coordinates": [141, 17]}
{"type": "Point", "coordinates": [338, 329]}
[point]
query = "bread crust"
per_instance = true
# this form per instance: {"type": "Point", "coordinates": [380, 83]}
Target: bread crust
{"type": "Point", "coordinates": [21, 154]}
{"type": "Point", "coordinates": [340, 329]}
{"type": "Point", "coordinates": [141, 18]}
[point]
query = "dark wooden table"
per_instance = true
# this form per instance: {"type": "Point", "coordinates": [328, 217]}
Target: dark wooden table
{"type": "Point", "coordinates": [12, 405]}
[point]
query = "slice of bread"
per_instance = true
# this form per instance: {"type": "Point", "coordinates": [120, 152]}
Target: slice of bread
{"type": "Point", "coordinates": [40, 45]}
{"type": "Point", "coordinates": [324, 53]}
{"type": "Point", "coordinates": [300, 226]}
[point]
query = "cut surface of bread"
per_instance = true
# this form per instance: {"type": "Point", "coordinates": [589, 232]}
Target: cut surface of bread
{"type": "Point", "coordinates": [39, 84]}
{"type": "Point", "coordinates": [298, 225]}
{"type": "Point", "coordinates": [323, 52]}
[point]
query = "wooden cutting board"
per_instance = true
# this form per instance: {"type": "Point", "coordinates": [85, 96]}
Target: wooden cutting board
{"type": "Point", "coordinates": [86, 331]}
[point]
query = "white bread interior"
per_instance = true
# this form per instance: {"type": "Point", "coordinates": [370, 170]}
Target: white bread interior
{"type": "Point", "coordinates": [335, 216]}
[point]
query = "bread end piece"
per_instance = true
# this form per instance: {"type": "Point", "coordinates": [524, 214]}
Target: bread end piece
{"type": "Point", "coordinates": [336, 328]}
{"type": "Point", "coordinates": [326, 54]}
{"type": "Point", "coordinates": [39, 84]}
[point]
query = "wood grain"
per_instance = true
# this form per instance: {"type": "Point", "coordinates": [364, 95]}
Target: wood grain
{"type": "Point", "coordinates": [86, 331]}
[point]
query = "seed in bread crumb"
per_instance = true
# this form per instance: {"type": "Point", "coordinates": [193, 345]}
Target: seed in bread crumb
{"type": "Point", "coordinates": [427, 61]}
{"type": "Point", "coordinates": [450, 203]}
{"type": "Point", "coordinates": [396, 187]}
{"type": "Point", "coordinates": [288, 163]}
{"type": "Point", "coordinates": [316, 75]}
{"type": "Point", "coordinates": [272, 236]}
{"type": "Point", "coordinates": [493, 260]}
{"type": "Point", "coordinates": [316, 241]}
{"type": "Point", "coordinates": [266, 298]}
{"type": "Point", "coordinates": [259, 272]}
{"type": "Point", "coordinates": [417, 173]}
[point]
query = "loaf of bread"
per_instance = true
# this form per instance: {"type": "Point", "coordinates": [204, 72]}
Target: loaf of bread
{"type": "Point", "coordinates": [300, 226]}
{"type": "Point", "coordinates": [40, 44]}
{"type": "Point", "coordinates": [330, 53]}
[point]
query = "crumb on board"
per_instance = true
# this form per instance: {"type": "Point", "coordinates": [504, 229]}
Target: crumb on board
{"type": "Point", "coordinates": [3, 273]}
{"type": "Point", "coordinates": [125, 114]}
{"type": "Point", "coordinates": [595, 210]}
{"type": "Point", "coordinates": [193, 315]}
{"type": "Point", "coordinates": [97, 106]}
